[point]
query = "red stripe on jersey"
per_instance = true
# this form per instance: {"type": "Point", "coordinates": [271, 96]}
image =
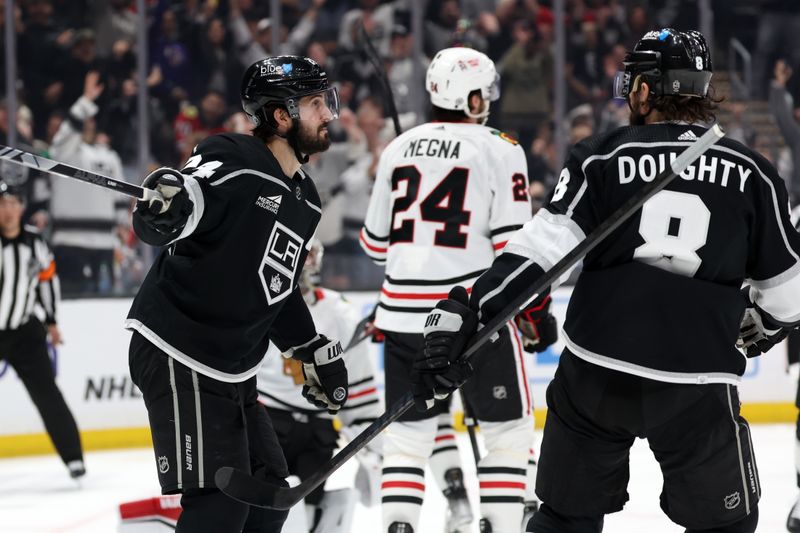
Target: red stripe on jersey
{"type": "Point", "coordinates": [403, 485]}
{"type": "Point", "coordinates": [368, 245]}
{"type": "Point", "coordinates": [362, 393]}
{"type": "Point", "coordinates": [445, 437]}
{"type": "Point", "coordinates": [502, 485]}
{"type": "Point", "coordinates": [418, 296]}
{"type": "Point", "coordinates": [500, 245]}
{"type": "Point", "coordinates": [512, 330]}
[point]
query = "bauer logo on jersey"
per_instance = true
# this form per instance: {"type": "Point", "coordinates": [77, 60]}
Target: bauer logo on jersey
{"type": "Point", "coordinates": [280, 262]}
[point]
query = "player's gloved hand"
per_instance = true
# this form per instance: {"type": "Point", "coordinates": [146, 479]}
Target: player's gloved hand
{"type": "Point", "coordinates": [759, 331]}
{"type": "Point", "coordinates": [170, 216]}
{"type": "Point", "coordinates": [324, 371]}
{"type": "Point", "coordinates": [539, 328]}
{"type": "Point", "coordinates": [438, 370]}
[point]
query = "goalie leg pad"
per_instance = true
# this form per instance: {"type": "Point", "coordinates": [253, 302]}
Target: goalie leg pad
{"type": "Point", "coordinates": [406, 446]}
{"type": "Point", "coordinates": [502, 472]}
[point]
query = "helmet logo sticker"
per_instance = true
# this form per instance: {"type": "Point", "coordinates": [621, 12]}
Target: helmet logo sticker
{"type": "Point", "coordinates": [269, 68]}
{"type": "Point", "coordinates": [287, 68]}
{"type": "Point", "coordinates": [698, 63]}
{"type": "Point", "coordinates": [676, 86]}
{"type": "Point", "coordinates": [663, 35]}
{"type": "Point", "coordinates": [434, 87]}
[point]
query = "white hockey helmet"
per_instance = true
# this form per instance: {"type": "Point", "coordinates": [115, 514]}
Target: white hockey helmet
{"type": "Point", "coordinates": [455, 72]}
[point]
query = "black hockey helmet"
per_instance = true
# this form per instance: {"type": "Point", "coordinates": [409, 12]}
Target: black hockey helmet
{"type": "Point", "coordinates": [671, 62]}
{"type": "Point", "coordinates": [284, 80]}
{"type": "Point", "coordinates": [7, 189]}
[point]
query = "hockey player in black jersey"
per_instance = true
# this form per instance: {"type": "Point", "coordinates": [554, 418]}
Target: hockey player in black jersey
{"type": "Point", "coordinates": [654, 319]}
{"type": "Point", "coordinates": [237, 221]}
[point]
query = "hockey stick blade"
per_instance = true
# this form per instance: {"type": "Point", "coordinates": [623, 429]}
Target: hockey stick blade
{"type": "Point", "coordinates": [360, 332]}
{"type": "Point", "coordinates": [37, 162]}
{"type": "Point", "coordinates": [375, 59]}
{"type": "Point", "coordinates": [243, 487]}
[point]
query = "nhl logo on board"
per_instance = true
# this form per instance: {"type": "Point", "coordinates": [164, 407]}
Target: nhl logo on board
{"type": "Point", "coordinates": [732, 501]}
{"type": "Point", "coordinates": [163, 464]}
{"type": "Point", "coordinates": [275, 284]}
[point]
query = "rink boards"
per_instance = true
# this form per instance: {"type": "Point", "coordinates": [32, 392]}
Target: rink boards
{"type": "Point", "coordinates": [92, 370]}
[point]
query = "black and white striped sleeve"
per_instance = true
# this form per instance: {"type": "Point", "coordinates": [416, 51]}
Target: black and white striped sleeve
{"type": "Point", "coordinates": [774, 256]}
{"type": "Point", "coordinates": [541, 243]}
{"type": "Point", "coordinates": [374, 237]}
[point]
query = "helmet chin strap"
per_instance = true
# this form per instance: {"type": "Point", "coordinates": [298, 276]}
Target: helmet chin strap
{"type": "Point", "coordinates": [483, 116]}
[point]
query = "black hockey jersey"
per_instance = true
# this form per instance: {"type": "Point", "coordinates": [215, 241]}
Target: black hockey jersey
{"type": "Point", "coordinates": [228, 284]}
{"type": "Point", "coordinates": [660, 296]}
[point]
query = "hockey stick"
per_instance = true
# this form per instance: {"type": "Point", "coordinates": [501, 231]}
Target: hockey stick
{"type": "Point", "coordinates": [375, 60]}
{"type": "Point", "coordinates": [361, 333]}
{"type": "Point", "coordinates": [470, 422]}
{"type": "Point", "coordinates": [247, 489]}
{"type": "Point", "coordinates": [38, 162]}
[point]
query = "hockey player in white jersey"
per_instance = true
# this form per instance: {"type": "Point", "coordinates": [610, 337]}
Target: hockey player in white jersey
{"type": "Point", "coordinates": [447, 196]}
{"type": "Point", "coordinates": [306, 433]}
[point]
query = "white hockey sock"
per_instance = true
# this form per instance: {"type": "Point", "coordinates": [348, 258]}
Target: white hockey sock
{"type": "Point", "coordinates": [530, 480]}
{"type": "Point", "coordinates": [445, 451]}
{"type": "Point", "coordinates": [407, 446]}
{"type": "Point", "coordinates": [502, 472]}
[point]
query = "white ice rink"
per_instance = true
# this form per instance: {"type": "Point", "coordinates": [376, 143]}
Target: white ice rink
{"type": "Point", "coordinates": [36, 496]}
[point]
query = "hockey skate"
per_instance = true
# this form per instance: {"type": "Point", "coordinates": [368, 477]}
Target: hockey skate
{"type": "Point", "coordinates": [459, 510]}
{"type": "Point", "coordinates": [76, 469]}
{"type": "Point", "coordinates": [793, 521]}
{"type": "Point", "coordinates": [401, 527]}
{"type": "Point", "coordinates": [530, 508]}
{"type": "Point", "coordinates": [484, 526]}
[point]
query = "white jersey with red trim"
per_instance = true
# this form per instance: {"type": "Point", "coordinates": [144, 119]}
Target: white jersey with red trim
{"type": "Point", "coordinates": [280, 380]}
{"type": "Point", "coordinates": [446, 199]}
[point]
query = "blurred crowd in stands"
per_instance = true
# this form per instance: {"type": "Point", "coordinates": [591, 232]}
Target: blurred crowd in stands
{"type": "Point", "coordinates": [77, 91]}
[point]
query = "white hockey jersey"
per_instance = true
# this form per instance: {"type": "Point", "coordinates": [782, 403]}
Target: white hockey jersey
{"type": "Point", "coordinates": [280, 380]}
{"type": "Point", "coordinates": [447, 197]}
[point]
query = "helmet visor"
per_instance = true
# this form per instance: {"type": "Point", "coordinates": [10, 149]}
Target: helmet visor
{"type": "Point", "coordinates": [323, 105]}
{"type": "Point", "coordinates": [622, 84]}
{"type": "Point", "coordinates": [494, 88]}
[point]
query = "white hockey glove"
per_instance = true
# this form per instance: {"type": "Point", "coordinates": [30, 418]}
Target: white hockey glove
{"type": "Point", "coordinates": [759, 331]}
{"type": "Point", "coordinates": [324, 372]}
{"type": "Point", "coordinates": [170, 216]}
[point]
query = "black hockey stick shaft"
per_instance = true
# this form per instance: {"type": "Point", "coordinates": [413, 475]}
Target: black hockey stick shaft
{"type": "Point", "coordinates": [245, 488]}
{"type": "Point", "coordinates": [470, 422]}
{"type": "Point", "coordinates": [44, 164]}
{"type": "Point", "coordinates": [375, 60]}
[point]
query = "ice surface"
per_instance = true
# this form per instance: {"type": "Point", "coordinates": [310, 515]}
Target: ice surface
{"type": "Point", "coordinates": [37, 496]}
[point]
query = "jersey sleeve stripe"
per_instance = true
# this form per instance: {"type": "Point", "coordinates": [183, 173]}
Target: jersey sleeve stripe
{"type": "Point", "coordinates": [199, 205]}
{"type": "Point", "coordinates": [505, 229]}
{"type": "Point", "coordinates": [399, 309]}
{"type": "Point", "coordinates": [500, 245]}
{"type": "Point", "coordinates": [373, 236]}
{"type": "Point", "coordinates": [314, 207]}
{"type": "Point", "coordinates": [371, 247]}
{"type": "Point", "coordinates": [251, 172]}
{"type": "Point", "coordinates": [365, 392]}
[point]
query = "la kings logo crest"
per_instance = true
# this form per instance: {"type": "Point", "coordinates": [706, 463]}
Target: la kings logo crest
{"type": "Point", "coordinates": [280, 262]}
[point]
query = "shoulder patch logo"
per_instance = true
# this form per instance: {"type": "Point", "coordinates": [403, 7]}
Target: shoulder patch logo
{"type": "Point", "coordinates": [687, 135]}
{"type": "Point", "coordinates": [270, 203]}
{"type": "Point", "coordinates": [505, 136]}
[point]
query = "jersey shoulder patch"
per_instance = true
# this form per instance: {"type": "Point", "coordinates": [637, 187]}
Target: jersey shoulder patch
{"type": "Point", "coordinates": [505, 136]}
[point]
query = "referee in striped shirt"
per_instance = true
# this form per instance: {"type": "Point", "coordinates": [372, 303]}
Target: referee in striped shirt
{"type": "Point", "coordinates": [28, 278]}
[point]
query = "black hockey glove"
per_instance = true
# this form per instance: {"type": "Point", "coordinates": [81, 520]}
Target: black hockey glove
{"type": "Point", "coordinates": [539, 328]}
{"type": "Point", "coordinates": [759, 331]}
{"type": "Point", "coordinates": [438, 370]}
{"type": "Point", "coordinates": [167, 218]}
{"type": "Point", "coordinates": [324, 371]}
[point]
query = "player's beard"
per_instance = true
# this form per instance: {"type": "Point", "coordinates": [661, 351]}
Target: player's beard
{"type": "Point", "coordinates": [636, 118]}
{"type": "Point", "coordinates": [312, 142]}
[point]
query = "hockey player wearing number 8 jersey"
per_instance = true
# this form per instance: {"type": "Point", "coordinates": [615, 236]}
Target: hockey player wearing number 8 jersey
{"type": "Point", "coordinates": [447, 196]}
{"type": "Point", "coordinates": [656, 314]}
